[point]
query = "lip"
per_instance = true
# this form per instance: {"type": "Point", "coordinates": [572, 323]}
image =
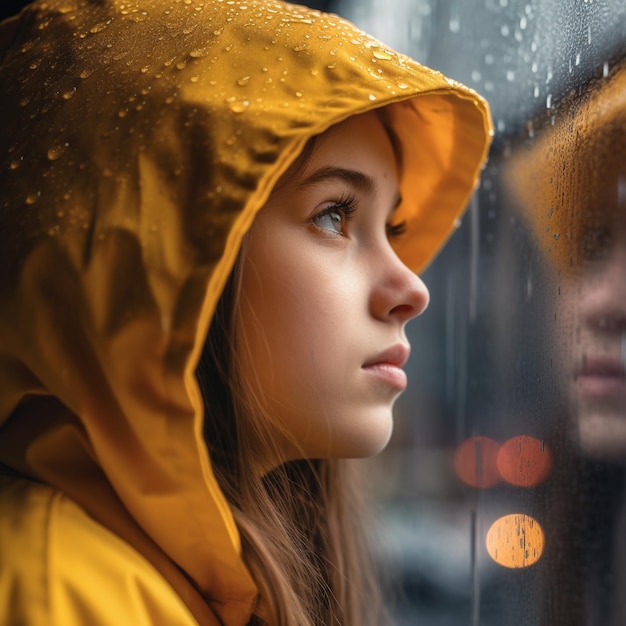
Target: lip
{"type": "Point", "coordinates": [387, 366]}
{"type": "Point", "coordinates": [601, 376]}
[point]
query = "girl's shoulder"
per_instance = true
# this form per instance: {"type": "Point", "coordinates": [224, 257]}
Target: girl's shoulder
{"type": "Point", "coordinates": [61, 567]}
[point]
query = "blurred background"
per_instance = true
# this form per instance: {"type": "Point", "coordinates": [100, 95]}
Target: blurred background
{"type": "Point", "coordinates": [500, 499]}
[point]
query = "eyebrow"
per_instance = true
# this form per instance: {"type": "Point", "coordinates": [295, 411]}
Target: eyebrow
{"type": "Point", "coordinates": [355, 178]}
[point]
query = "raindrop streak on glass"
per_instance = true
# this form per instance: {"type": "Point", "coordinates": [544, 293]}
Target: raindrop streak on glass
{"type": "Point", "coordinates": [56, 152]}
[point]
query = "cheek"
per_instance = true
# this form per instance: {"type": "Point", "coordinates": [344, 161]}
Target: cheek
{"type": "Point", "coordinates": [300, 310]}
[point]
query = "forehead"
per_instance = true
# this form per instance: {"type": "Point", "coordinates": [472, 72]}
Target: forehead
{"type": "Point", "coordinates": [360, 143]}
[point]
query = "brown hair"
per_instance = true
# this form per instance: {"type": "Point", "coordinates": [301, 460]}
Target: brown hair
{"type": "Point", "coordinates": [301, 524]}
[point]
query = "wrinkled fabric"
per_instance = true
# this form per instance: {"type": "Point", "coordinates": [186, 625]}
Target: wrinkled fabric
{"type": "Point", "coordinates": [139, 141]}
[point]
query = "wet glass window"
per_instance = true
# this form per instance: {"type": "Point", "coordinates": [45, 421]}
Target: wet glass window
{"type": "Point", "coordinates": [501, 499]}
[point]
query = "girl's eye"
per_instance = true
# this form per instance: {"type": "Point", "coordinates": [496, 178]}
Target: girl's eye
{"type": "Point", "coordinates": [395, 231]}
{"type": "Point", "coordinates": [334, 217]}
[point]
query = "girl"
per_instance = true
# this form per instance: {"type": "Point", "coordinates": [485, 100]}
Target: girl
{"type": "Point", "coordinates": [211, 215]}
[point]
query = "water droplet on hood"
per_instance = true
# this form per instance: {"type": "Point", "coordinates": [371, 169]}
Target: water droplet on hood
{"type": "Point", "coordinates": [238, 106]}
{"type": "Point", "coordinates": [98, 28]}
{"type": "Point", "coordinates": [382, 55]}
{"type": "Point", "coordinates": [191, 28]}
{"type": "Point", "coordinates": [56, 152]}
{"type": "Point", "coordinates": [244, 80]}
{"type": "Point", "coordinates": [198, 53]}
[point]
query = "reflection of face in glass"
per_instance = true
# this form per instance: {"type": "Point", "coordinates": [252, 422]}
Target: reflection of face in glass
{"type": "Point", "coordinates": [598, 300]}
{"type": "Point", "coordinates": [574, 187]}
{"type": "Point", "coordinates": [325, 298]}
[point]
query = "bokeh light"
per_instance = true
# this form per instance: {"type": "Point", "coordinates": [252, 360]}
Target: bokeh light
{"type": "Point", "coordinates": [475, 462]}
{"type": "Point", "coordinates": [524, 461]}
{"type": "Point", "coordinates": [515, 541]}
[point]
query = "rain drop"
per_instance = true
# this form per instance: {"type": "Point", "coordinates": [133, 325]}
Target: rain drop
{"type": "Point", "coordinates": [243, 81]}
{"type": "Point", "coordinates": [549, 101]}
{"type": "Point", "coordinates": [15, 164]}
{"type": "Point", "coordinates": [382, 55]}
{"type": "Point", "coordinates": [194, 79]}
{"type": "Point", "coordinates": [198, 53]}
{"type": "Point", "coordinates": [605, 69]}
{"type": "Point", "coordinates": [68, 95]}
{"type": "Point", "coordinates": [98, 28]}
{"type": "Point", "coordinates": [239, 107]}
{"type": "Point", "coordinates": [56, 152]}
{"type": "Point", "coordinates": [31, 198]}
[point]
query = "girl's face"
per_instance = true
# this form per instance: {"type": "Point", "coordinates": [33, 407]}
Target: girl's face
{"type": "Point", "coordinates": [325, 299]}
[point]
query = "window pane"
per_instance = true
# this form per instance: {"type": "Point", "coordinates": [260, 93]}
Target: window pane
{"type": "Point", "coordinates": [501, 499]}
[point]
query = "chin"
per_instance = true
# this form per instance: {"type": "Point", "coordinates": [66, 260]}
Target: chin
{"type": "Point", "coordinates": [361, 444]}
{"type": "Point", "coordinates": [602, 435]}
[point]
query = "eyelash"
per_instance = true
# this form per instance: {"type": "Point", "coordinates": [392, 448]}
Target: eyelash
{"type": "Point", "coordinates": [395, 231]}
{"type": "Point", "coordinates": [346, 206]}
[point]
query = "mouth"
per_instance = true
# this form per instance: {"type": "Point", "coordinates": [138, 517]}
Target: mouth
{"type": "Point", "coordinates": [601, 376]}
{"type": "Point", "coordinates": [387, 366]}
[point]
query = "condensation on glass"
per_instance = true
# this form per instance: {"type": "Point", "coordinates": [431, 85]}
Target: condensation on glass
{"type": "Point", "coordinates": [502, 496]}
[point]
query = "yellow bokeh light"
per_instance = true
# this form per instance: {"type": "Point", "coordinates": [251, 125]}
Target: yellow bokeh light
{"type": "Point", "coordinates": [515, 540]}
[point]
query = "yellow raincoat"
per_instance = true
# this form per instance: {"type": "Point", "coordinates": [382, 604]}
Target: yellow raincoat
{"type": "Point", "coordinates": [139, 140]}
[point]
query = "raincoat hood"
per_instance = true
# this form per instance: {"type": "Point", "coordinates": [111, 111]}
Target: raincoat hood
{"type": "Point", "coordinates": [139, 141]}
{"type": "Point", "coordinates": [570, 181]}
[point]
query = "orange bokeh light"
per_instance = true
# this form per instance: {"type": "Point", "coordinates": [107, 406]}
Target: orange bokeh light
{"type": "Point", "coordinates": [515, 541]}
{"type": "Point", "coordinates": [475, 462]}
{"type": "Point", "coordinates": [524, 461]}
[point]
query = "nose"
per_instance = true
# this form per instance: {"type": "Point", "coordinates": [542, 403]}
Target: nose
{"type": "Point", "coordinates": [603, 293]}
{"type": "Point", "coordinates": [397, 293]}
